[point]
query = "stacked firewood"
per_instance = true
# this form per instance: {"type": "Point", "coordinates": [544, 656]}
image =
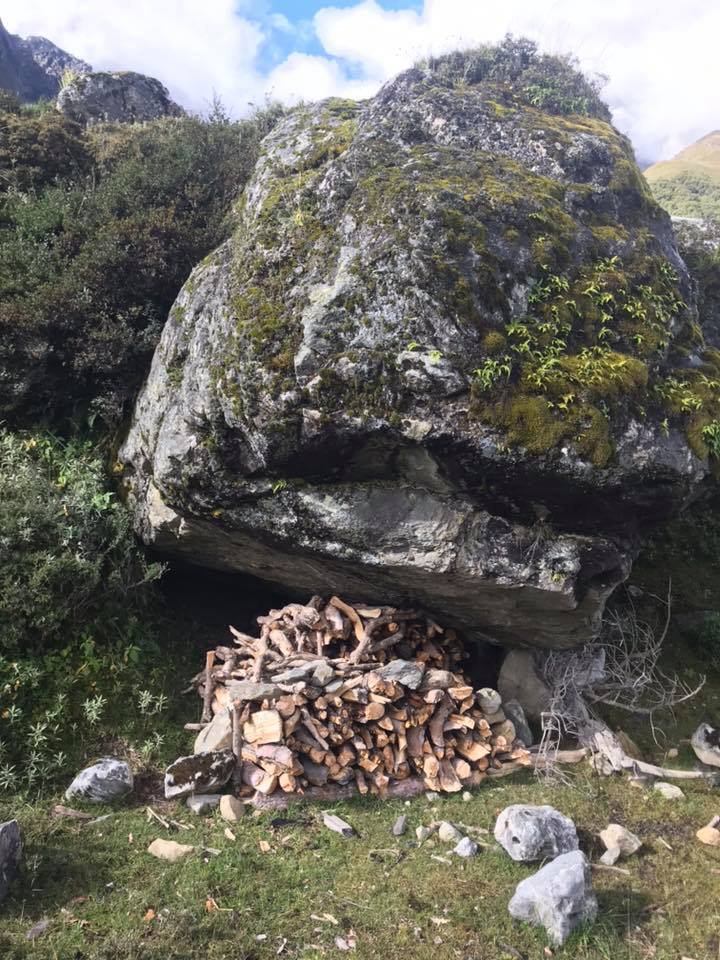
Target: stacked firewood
{"type": "Point", "coordinates": [334, 694]}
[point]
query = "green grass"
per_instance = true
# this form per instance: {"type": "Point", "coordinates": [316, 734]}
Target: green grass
{"type": "Point", "coordinates": [390, 892]}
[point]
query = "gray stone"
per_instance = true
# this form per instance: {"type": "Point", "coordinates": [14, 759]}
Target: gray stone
{"type": "Point", "coordinates": [406, 672]}
{"type": "Point", "coordinates": [202, 803]}
{"type": "Point", "coordinates": [706, 744]}
{"type": "Point", "coordinates": [615, 835]}
{"type": "Point", "coordinates": [107, 780]}
{"type": "Point", "coordinates": [448, 832]}
{"type": "Point", "coordinates": [466, 848]}
{"type": "Point", "coordinates": [400, 826]}
{"type": "Point", "coordinates": [559, 897]}
{"type": "Point", "coordinates": [199, 773]}
{"type": "Point", "coordinates": [232, 808]}
{"type": "Point", "coordinates": [124, 97]}
{"type": "Point", "coordinates": [489, 701]}
{"type": "Point", "coordinates": [520, 681]}
{"type": "Point", "coordinates": [422, 833]}
{"type": "Point", "coordinates": [217, 735]}
{"type": "Point", "coordinates": [32, 67]}
{"type": "Point", "coordinates": [323, 674]}
{"type": "Point", "coordinates": [611, 856]}
{"type": "Point", "coordinates": [669, 791]}
{"type": "Point", "coordinates": [388, 500]}
{"type": "Point", "coordinates": [10, 854]}
{"type": "Point", "coordinates": [250, 692]}
{"type": "Point", "coordinates": [530, 833]}
{"type": "Point", "coordinates": [515, 713]}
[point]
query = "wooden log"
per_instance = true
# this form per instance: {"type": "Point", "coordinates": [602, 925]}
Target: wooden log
{"type": "Point", "coordinates": [264, 726]}
{"type": "Point", "coordinates": [209, 686]}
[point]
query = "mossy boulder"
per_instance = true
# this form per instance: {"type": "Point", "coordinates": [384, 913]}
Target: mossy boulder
{"type": "Point", "coordinates": [450, 356]}
{"type": "Point", "coordinates": [121, 97]}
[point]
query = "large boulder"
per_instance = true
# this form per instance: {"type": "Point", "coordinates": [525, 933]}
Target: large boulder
{"type": "Point", "coordinates": [531, 833]}
{"type": "Point", "coordinates": [124, 97]}
{"type": "Point", "coordinates": [431, 365]}
{"type": "Point", "coordinates": [103, 782]}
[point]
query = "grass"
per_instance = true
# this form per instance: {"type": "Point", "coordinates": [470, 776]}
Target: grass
{"type": "Point", "coordinates": [96, 883]}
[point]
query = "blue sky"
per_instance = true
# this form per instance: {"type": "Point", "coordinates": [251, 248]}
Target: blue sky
{"type": "Point", "coordinates": [660, 55]}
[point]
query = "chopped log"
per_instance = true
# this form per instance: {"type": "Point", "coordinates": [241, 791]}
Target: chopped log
{"type": "Point", "coordinates": [265, 726]}
{"type": "Point", "coordinates": [209, 686]}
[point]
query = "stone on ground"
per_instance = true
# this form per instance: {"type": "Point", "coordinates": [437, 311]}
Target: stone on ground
{"type": "Point", "coordinates": [531, 833]}
{"type": "Point", "coordinates": [559, 897]}
{"type": "Point", "coordinates": [202, 803]}
{"type": "Point", "coordinates": [611, 856]}
{"type": "Point", "coordinates": [200, 773]}
{"type": "Point", "coordinates": [669, 791]}
{"type": "Point", "coordinates": [231, 808]}
{"type": "Point", "coordinates": [489, 700]}
{"type": "Point", "coordinates": [400, 826]}
{"type": "Point", "coordinates": [169, 850]}
{"type": "Point", "coordinates": [10, 854]}
{"type": "Point", "coordinates": [107, 780]}
{"type": "Point", "coordinates": [448, 832]}
{"type": "Point", "coordinates": [466, 848]}
{"type": "Point", "coordinates": [706, 744]}
{"type": "Point", "coordinates": [520, 681]}
{"type": "Point", "coordinates": [615, 835]}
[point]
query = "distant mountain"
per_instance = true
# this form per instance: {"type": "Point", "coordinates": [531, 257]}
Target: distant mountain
{"type": "Point", "coordinates": [32, 68]}
{"type": "Point", "coordinates": [689, 184]}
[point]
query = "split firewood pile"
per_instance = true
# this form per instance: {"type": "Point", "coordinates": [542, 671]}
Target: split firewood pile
{"type": "Point", "coordinates": [331, 693]}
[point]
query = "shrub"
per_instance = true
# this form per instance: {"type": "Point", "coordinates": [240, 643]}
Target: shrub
{"type": "Point", "coordinates": [99, 230]}
{"type": "Point", "coordinates": [551, 83]}
{"type": "Point", "coordinates": [75, 601]}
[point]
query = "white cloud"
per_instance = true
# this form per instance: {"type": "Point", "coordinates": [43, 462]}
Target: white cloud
{"type": "Point", "coordinates": [660, 55]}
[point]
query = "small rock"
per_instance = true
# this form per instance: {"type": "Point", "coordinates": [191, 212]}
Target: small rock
{"type": "Point", "coordinates": [199, 773]}
{"type": "Point", "coordinates": [400, 826]}
{"type": "Point", "coordinates": [639, 782]}
{"type": "Point", "coordinates": [710, 834]}
{"type": "Point", "coordinates": [431, 796]}
{"type": "Point", "coordinates": [406, 672]}
{"type": "Point", "coordinates": [611, 856]}
{"type": "Point", "coordinates": [217, 735]}
{"type": "Point", "coordinates": [530, 833]}
{"type": "Point", "coordinates": [448, 832]}
{"type": "Point", "coordinates": [706, 744]}
{"type": "Point", "coordinates": [37, 930]}
{"type": "Point", "coordinates": [669, 790]}
{"type": "Point", "coordinates": [489, 700]}
{"type": "Point", "coordinates": [515, 713]}
{"type": "Point", "coordinates": [232, 808]}
{"type": "Point", "coordinates": [673, 753]}
{"type": "Point", "coordinates": [559, 897]}
{"type": "Point", "coordinates": [466, 796]}
{"type": "Point", "coordinates": [323, 674]}
{"type": "Point", "coordinates": [107, 780]}
{"type": "Point", "coordinates": [466, 848]}
{"type": "Point", "coordinates": [10, 854]}
{"type": "Point", "coordinates": [202, 803]}
{"type": "Point", "coordinates": [614, 835]}
{"type": "Point", "coordinates": [422, 833]}
{"type": "Point", "coordinates": [169, 850]}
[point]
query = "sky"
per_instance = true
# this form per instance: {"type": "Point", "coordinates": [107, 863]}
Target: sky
{"type": "Point", "coordinates": [660, 56]}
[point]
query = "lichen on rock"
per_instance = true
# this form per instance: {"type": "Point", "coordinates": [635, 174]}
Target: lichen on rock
{"type": "Point", "coordinates": [435, 361]}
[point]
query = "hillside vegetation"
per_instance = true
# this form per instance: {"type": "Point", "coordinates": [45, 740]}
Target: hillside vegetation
{"type": "Point", "coordinates": [99, 228]}
{"type": "Point", "coordinates": [689, 184]}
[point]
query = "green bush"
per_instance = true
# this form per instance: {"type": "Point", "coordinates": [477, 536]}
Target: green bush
{"type": "Point", "coordinates": [707, 640]}
{"type": "Point", "coordinates": [689, 195]}
{"type": "Point", "coordinates": [99, 229]}
{"type": "Point", "coordinates": [551, 83]}
{"type": "Point", "coordinates": [76, 598]}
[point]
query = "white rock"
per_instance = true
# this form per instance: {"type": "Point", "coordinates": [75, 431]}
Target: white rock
{"type": "Point", "coordinates": [489, 700]}
{"type": "Point", "coordinates": [611, 856]}
{"type": "Point", "coordinates": [107, 780]}
{"type": "Point", "coordinates": [530, 833]}
{"type": "Point", "coordinates": [448, 832]}
{"type": "Point", "coordinates": [706, 744]}
{"type": "Point", "coordinates": [169, 850]}
{"type": "Point", "coordinates": [559, 897]}
{"type": "Point", "coordinates": [231, 808]}
{"type": "Point", "coordinates": [466, 848]}
{"type": "Point", "coordinates": [202, 803]}
{"type": "Point", "coordinates": [422, 833]}
{"type": "Point", "coordinates": [669, 790]}
{"type": "Point", "coordinates": [615, 835]}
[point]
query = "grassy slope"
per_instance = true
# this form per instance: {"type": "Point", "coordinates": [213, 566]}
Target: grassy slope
{"type": "Point", "coordinates": [387, 891]}
{"type": "Point", "coordinates": [689, 184]}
